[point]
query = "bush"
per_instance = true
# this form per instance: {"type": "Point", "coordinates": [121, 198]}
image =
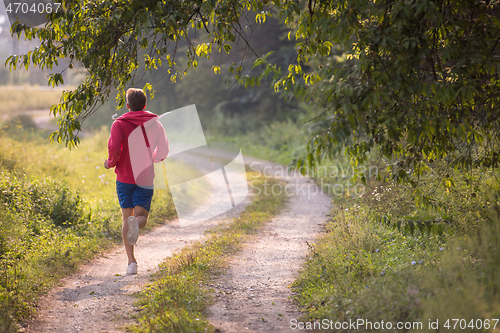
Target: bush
{"type": "Point", "coordinates": [49, 198]}
{"type": "Point", "coordinates": [55, 200]}
{"type": "Point", "coordinates": [34, 249]}
{"type": "Point", "coordinates": [59, 208]}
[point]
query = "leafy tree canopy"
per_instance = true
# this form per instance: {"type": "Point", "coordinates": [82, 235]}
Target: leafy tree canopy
{"type": "Point", "coordinates": [416, 79]}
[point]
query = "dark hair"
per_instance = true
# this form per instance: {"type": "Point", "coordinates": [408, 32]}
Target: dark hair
{"type": "Point", "coordinates": [136, 99]}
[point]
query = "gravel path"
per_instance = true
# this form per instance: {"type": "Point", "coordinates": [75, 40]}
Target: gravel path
{"type": "Point", "coordinates": [254, 294]}
{"type": "Point", "coordinates": [100, 297]}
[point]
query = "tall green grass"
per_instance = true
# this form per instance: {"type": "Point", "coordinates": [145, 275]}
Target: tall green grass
{"type": "Point", "coordinates": [277, 141]}
{"type": "Point", "coordinates": [465, 283]}
{"type": "Point", "coordinates": [387, 257]}
{"type": "Point", "coordinates": [363, 270]}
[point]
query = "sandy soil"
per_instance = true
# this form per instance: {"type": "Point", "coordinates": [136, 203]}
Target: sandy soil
{"type": "Point", "coordinates": [254, 293]}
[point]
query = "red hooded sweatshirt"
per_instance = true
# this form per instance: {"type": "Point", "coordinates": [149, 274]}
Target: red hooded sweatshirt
{"type": "Point", "coordinates": [137, 139]}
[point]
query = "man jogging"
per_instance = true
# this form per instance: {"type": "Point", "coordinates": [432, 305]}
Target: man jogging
{"type": "Point", "coordinates": [137, 140]}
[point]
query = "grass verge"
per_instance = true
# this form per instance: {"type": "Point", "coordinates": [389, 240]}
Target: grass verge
{"type": "Point", "coordinates": [378, 261]}
{"type": "Point", "coordinates": [177, 299]}
{"type": "Point", "coordinates": [363, 270]}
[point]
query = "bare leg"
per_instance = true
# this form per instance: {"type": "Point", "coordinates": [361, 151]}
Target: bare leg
{"type": "Point", "coordinates": [128, 248]}
{"type": "Point", "coordinates": [141, 215]}
{"type": "Point", "coordinates": [142, 218]}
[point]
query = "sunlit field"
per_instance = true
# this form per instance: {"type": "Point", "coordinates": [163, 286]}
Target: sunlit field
{"type": "Point", "coordinates": [393, 252]}
{"type": "Point", "coordinates": [390, 108]}
{"type": "Point", "coordinates": [27, 98]}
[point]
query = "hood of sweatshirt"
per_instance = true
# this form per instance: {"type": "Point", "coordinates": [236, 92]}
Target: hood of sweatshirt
{"type": "Point", "coordinates": [138, 117]}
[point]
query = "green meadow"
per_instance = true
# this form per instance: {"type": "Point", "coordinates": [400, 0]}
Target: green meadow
{"type": "Point", "coordinates": [26, 98]}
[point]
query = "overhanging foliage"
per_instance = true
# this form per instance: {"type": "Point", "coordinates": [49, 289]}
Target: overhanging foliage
{"type": "Point", "coordinates": [417, 79]}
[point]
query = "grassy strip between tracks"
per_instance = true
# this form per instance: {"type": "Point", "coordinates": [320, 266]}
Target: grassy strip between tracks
{"type": "Point", "coordinates": [177, 299]}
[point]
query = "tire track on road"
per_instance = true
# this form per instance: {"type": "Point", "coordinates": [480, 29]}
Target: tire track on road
{"type": "Point", "coordinates": [254, 294]}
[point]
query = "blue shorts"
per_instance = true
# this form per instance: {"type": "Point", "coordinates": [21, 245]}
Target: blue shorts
{"type": "Point", "coordinates": [131, 195]}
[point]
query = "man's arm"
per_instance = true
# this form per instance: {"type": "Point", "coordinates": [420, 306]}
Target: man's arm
{"type": "Point", "coordinates": [162, 146]}
{"type": "Point", "coordinates": [114, 146]}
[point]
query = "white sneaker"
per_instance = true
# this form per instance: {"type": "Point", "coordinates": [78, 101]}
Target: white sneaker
{"type": "Point", "coordinates": [132, 268]}
{"type": "Point", "coordinates": [133, 230]}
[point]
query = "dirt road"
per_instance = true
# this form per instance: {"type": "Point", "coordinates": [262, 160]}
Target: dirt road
{"type": "Point", "coordinates": [253, 294]}
{"type": "Point", "coordinates": [99, 298]}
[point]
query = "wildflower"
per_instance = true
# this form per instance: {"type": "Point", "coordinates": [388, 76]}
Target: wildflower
{"type": "Point", "coordinates": [441, 249]}
{"type": "Point", "coordinates": [383, 272]}
{"type": "Point", "coordinates": [97, 167]}
{"type": "Point", "coordinates": [421, 261]}
{"type": "Point", "coordinates": [459, 248]}
{"type": "Point", "coordinates": [377, 250]}
{"type": "Point", "coordinates": [413, 262]}
{"type": "Point", "coordinates": [346, 209]}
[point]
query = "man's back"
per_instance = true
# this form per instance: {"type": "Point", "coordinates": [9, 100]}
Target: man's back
{"type": "Point", "coordinates": [137, 139]}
